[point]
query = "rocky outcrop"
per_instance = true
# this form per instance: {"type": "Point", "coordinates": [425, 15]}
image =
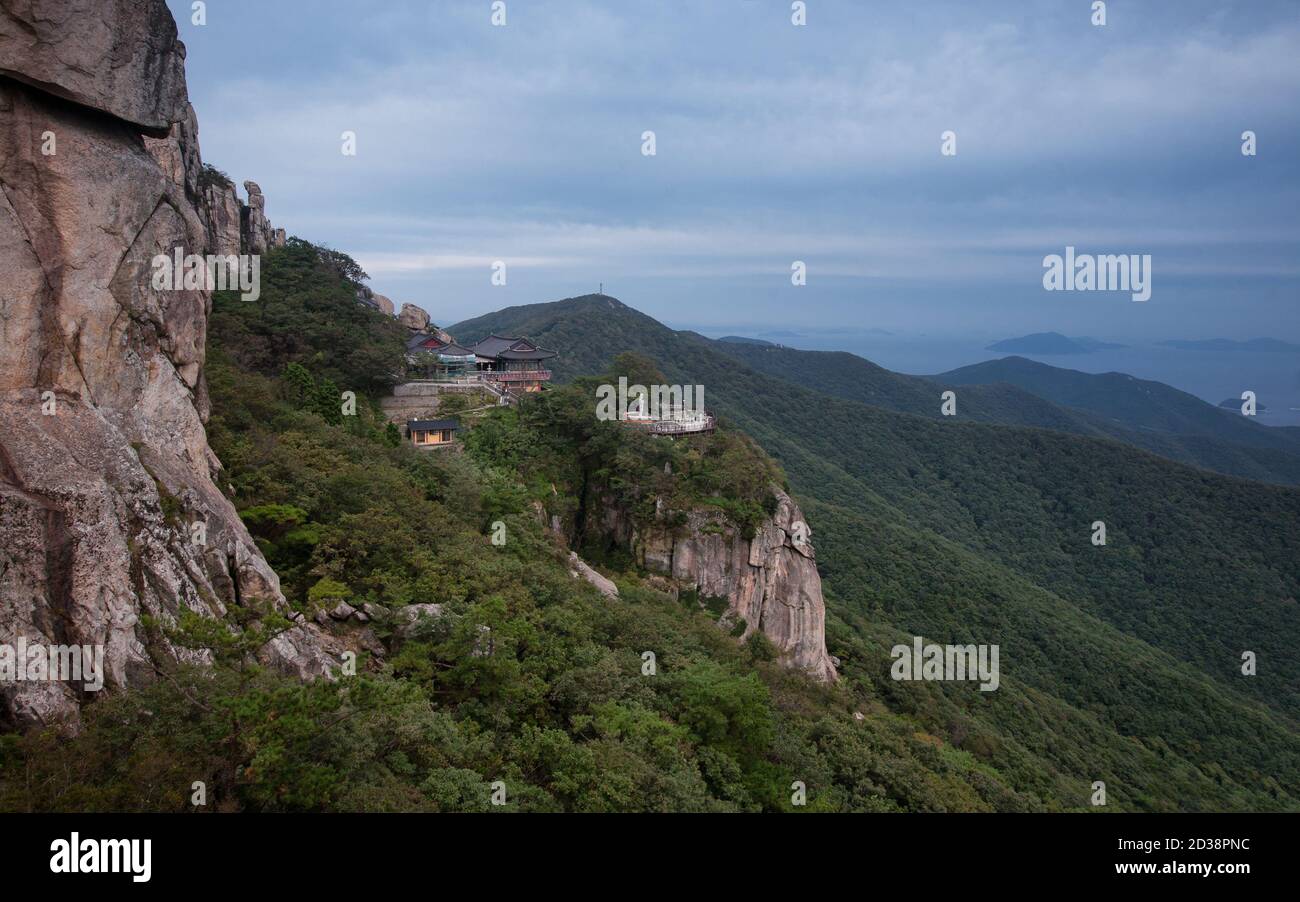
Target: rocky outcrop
{"type": "Point", "coordinates": [583, 570]}
{"type": "Point", "coordinates": [413, 318]}
{"type": "Point", "coordinates": [109, 508]}
{"type": "Point", "coordinates": [211, 193]}
{"type": "Point", "coordinates": [255, 228]}
{"type": "Point", "coordinates": [256, 233]}
{"type": "Point", "coordinates": [374, 301]}
{"type": "Point", "coordinates": [410, 618]}
{"type": "Point", "coordinates": [224, 212]}
{"type": "Point", "coordinates": [770, 582]}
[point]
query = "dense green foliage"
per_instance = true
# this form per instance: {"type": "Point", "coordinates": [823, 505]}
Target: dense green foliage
{"type": "Point", "coordinates": [1019, 392]}
{"type": "Point", "coordinates": [1118, 663]}
{"type": "Point", "coordinates": [562, 710]}
{"type": "Point", "coordinates": [966, 532]}
{"type": "Point", "coordinates": [307, 314]}
{"type": "Point", "coordinates": [582, 469]}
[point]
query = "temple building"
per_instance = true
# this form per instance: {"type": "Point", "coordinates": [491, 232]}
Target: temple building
{"type": "Point", "coordinates": [516, 363]}
{"type": "Point", "coordinates": [435, 358]}
{"type": "Point", "coordinates": [431, 433]}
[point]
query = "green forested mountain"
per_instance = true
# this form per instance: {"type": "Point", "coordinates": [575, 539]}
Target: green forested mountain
{"type": "Point", "coordinates": [528, 679]}
{"type": "Point", "coordinates": [1021, 392]}
{"type": "Point", "coordinates": [964, 531]}
{"type": "Point", "coordinates": [1118, 663]}
{"type": "Point", "coordinates": [1125, 400]}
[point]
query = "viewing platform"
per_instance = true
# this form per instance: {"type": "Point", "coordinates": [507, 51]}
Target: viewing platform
{"type": "Point", "coordinates": [516, 375]}
{"type": "Point", "coordinates": [676, 426]}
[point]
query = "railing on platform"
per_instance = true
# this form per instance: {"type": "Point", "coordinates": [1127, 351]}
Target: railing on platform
{"type": "Point", "coordinates": [517, 375]}
{"type": "Point", "coordinates": [486, 376]}
{"type": "Point", "coordinates": [674, 427]}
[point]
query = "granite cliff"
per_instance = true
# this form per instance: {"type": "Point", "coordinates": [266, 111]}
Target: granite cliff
{"type": "Point", "coordinates": [770, 582]}
{"type": "Point", "coordinates": [110, 508]}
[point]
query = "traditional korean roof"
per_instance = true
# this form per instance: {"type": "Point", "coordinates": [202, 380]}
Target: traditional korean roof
{"type": "Point", "coordinates": [492, 345]}
{"type": "Point", "coordinates": [421, 340]}
{"type": "Point", "coordinates": [504, 347]}
{"type": "Point", "coordinates": [530, 354]}
{"type": "Point", "coordinates": [435, 345]}
{"type": "Point", "coordinates": [431, 425]}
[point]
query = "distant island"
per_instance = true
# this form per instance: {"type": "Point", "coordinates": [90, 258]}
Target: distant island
{"type": "Point", "coordinates": [1225, 344]}
{"type": "Point", "coordinates": [1051, 343]}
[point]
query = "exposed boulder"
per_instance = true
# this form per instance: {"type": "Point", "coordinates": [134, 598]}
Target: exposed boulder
{"type": "Point", "coordinates": [121, 57]}
{"type": "Point", "coordinates": [342, 611]}
{"type": "Point", "coordinates": [374, 301]}
{"type": "Point", "coordinates": [583, 570]}
{"type": "Point", "coordinates": [413, 318]}
{"type": "Point", "coordinates": [411, 616]}
{"type": "Point", "coordinates": [108, 506]}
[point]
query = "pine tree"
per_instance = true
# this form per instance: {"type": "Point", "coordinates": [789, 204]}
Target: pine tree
{"type": "Point", "coordinates": [327, 401]}
{"type": "Point", "coordinates": [301, 385]}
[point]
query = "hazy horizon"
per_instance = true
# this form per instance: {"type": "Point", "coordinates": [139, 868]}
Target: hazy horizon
{"type": "Point", "coordinates": [777, 143]}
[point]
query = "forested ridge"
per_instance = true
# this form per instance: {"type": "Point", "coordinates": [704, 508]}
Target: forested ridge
{"type": "Point", "coordinates": [961, 531]}
{"type": "Point", "coordinates": [1118, 663]}
{"type": "Point", "coordinates": [1019, 392]}
{"type": "Point", "coordinates": [558, 713]}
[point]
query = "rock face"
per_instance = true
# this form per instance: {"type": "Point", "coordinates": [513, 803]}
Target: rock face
{"type": "Point", "coordinates": [770, 581]}
{"type": "Point", "coordinates": [118, 56]}
{"type": "Point", "coordinates": [224, 218]}
{"type": "Point", "coordinates": [254, 226]}
{"type": "Point", "coordinates": [413, 318]}
{"type": "Point", "coordinates": [108, 506]}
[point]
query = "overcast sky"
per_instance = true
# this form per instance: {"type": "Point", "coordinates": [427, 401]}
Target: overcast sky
{"type": "Point", "coordinates": [778, 143]}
